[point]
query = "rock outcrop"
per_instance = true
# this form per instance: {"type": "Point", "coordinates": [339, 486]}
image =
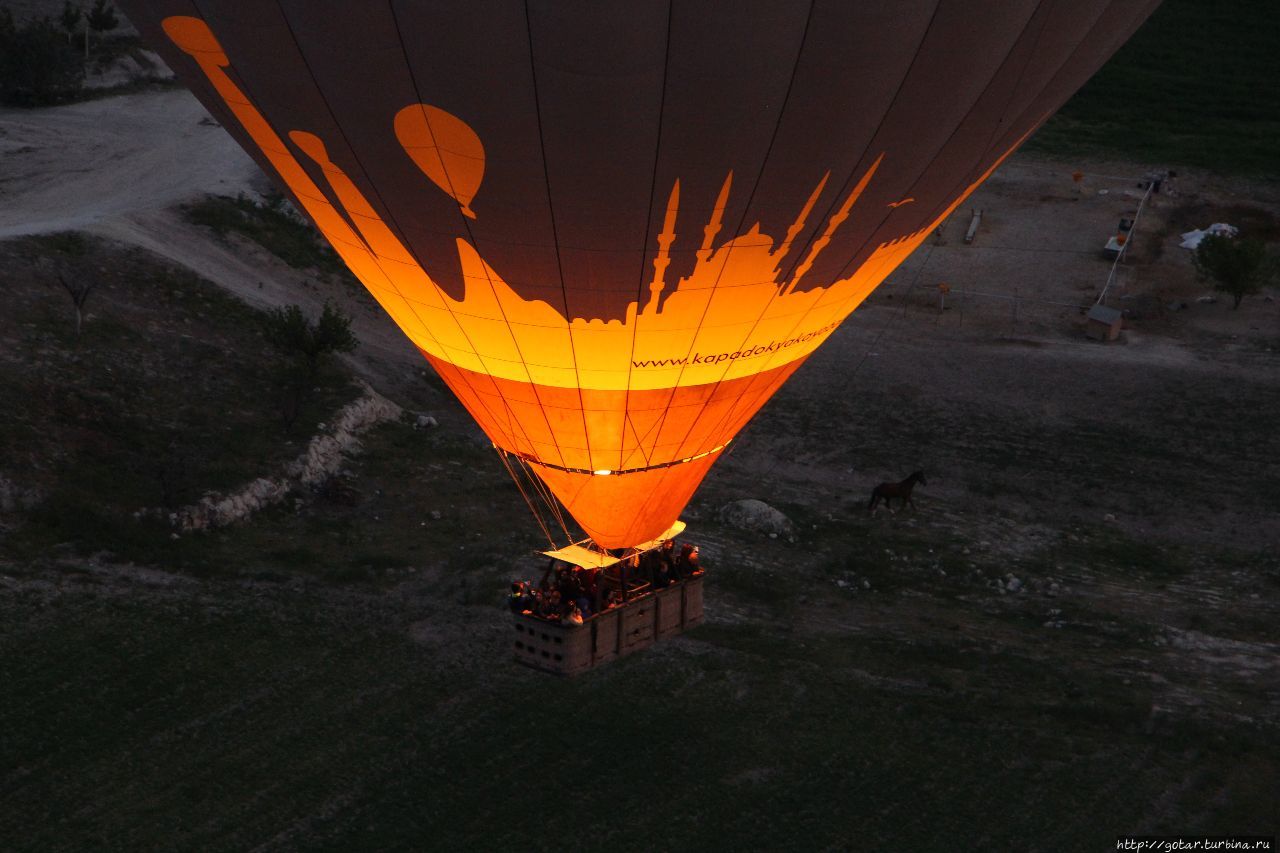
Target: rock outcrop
{"type": "Point", "coordinates": [322, 459]}
{"type": "Point", "coordinates": [757, 516]}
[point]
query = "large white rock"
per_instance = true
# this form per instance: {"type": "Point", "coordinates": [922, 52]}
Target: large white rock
{"type": "Point", "coordinates": [323, 459]}
{"type": "Point", "coordinates": [756, 515]}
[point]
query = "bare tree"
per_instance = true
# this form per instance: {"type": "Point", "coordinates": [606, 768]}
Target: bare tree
{"type": "Point", "coordinates": [78, 289]}
{"type": "Point", "coordinates": [100, 18]}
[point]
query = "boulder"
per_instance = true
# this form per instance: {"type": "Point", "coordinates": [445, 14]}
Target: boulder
{"type": "Point", "coordinates": [322, 460]}
{"type": "Point", "coordinates": [757, 516]}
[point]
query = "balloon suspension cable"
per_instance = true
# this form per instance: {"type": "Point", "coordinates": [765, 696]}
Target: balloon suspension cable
{"type": "Point", "coordinates": [548, 499]}
{"type": "Point", "coordinates": [515, 478]}
{"type": "Point", "coordinates": [538, 489]}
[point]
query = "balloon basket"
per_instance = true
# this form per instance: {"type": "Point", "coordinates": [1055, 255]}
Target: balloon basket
{"type": "Point", "coordinates": [621, 630]}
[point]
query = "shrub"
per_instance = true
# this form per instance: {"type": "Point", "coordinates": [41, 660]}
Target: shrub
{"type": "Point", "coordinates": [1238, 267]}
{"type": "Point", "coordinates": [37, 66]}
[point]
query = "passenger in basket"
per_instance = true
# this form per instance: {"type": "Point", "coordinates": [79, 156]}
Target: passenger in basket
{"type": "Point", "coordinates": [692, 567]}
{"type": "Point", "coordinates": [574, 616]}
{"type": "Point", "coordinates": [664, 576]}
{"type": "Point", "coordinates": [544, 609]}
{"type": "Point", "coordinates": [687, 562]}
{"type": "Point", "coordinates": [518, 600]}
{"type": "Point", "coordinates": [667, 553]}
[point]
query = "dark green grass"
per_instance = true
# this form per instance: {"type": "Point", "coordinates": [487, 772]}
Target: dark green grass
{"type": "Point", "coordinates": [269, 225]}
{"type": "Point", "coordinates": [377, 525]}
{"type": "Point", "coordinates": [296, 722]}
{"type": "Point", "coordinates": [1198, 85]}
{"type": "Point", "coordinates": [169, 391]}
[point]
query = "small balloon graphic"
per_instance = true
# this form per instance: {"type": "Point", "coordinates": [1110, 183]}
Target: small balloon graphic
{"type": "Point", "coordinates": [445, 148]}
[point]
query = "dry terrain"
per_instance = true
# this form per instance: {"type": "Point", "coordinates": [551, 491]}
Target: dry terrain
{"type": "Point", "coordinates": [1072, 637]}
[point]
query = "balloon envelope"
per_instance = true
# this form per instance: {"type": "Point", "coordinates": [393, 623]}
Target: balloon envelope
{"type": "Point", "coordinates": [615, 229]}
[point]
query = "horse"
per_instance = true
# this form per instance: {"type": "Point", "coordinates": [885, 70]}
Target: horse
{"type": "Point", "coordinates": [902, 491]}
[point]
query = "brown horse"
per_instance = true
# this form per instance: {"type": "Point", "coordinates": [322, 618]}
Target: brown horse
{"type": "Point", "coordinates": [887, 491]}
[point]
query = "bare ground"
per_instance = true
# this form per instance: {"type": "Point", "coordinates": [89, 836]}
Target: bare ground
{"type": "Point", "coordinates": [1130, 489]}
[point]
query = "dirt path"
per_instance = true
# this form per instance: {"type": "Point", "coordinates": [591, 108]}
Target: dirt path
{"type": "Point", "coordinates": [85, 165]}
{"type": "Point", "coordinates": [119, 167]}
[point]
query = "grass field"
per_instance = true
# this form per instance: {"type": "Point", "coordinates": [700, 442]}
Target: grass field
{"type": "Point", "coordinates": [337, 677]}
{"type": "Point", "coordinates": [271, 226]}
{"type": "Point", "coordinates": [297, 718]}
{"type": "Point", "coordinates": [169, 391]}
{"type": "Point", "coordinates": [1198, 85]}
{"type": "Point", "coordinates": [335, 674]}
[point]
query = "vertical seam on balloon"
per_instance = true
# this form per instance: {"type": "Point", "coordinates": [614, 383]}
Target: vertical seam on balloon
{"type": "Point", "coordinates": [854, 171]}
{"type": "Point", "coordinates": [413, 80]}
{"type": "Point", "coordinates": [1016, 41]}
{"type": "Point", "coordinates": [764, 162]}
{"type": "Point", "coordinates": [341, 208]}
{"type": "Point", "coordinates": [515, 419]}
{"type": "Point", "coordinates": [985, 156]}
{"type": "Point", "coordinates": [644, 256]}
{"type": "Point", "coordinates": [982, 156]}
{"type": "Point", "coordinates": [564, 290]}
{"type": "Point", "coordinates": [1013, 93]}
{"type": "Point", "coordinates": [1123, 34]}
{"type": "Point", "coordinates": [797, 256]}
{"type": "Point", "coordinates": [942, 147]}
{"type": "Point", "coordinates": [338, 209]}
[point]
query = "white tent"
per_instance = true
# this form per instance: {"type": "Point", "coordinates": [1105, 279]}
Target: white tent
{"type": "Point", "coordinates": [1191, 239]}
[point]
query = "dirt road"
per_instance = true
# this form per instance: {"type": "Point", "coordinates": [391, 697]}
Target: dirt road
{"type": "Point", "coordinates": [89, 165]}
{"type": "Point", "coordinates": [120, 167]}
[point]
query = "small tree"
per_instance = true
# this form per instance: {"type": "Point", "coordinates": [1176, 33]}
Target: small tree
{"type": "Point", "coordinates": [308, 345]}
{"type": "Point", "coordinates": [78, 288]}
{"type": "Point", "coordinates": [1238, 267]}
{"type": "Point", "coordinates": [70, 19]}
{"type": "Point", "coordinates": [101, 18]}
{"type": "Point", "coordinates": [289, 331]}
{"type": "Point", "coordinates": [62, 256]}
{"type": "Point", "coordinates": [36, 67]}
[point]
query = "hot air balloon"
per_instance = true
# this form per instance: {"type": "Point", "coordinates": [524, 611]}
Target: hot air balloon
{"type": "Point", "coordinates": [615, 229]}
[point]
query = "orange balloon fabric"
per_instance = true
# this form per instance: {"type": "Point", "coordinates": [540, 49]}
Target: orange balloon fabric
{"type": "Point", "coordinates": [616, 229]}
